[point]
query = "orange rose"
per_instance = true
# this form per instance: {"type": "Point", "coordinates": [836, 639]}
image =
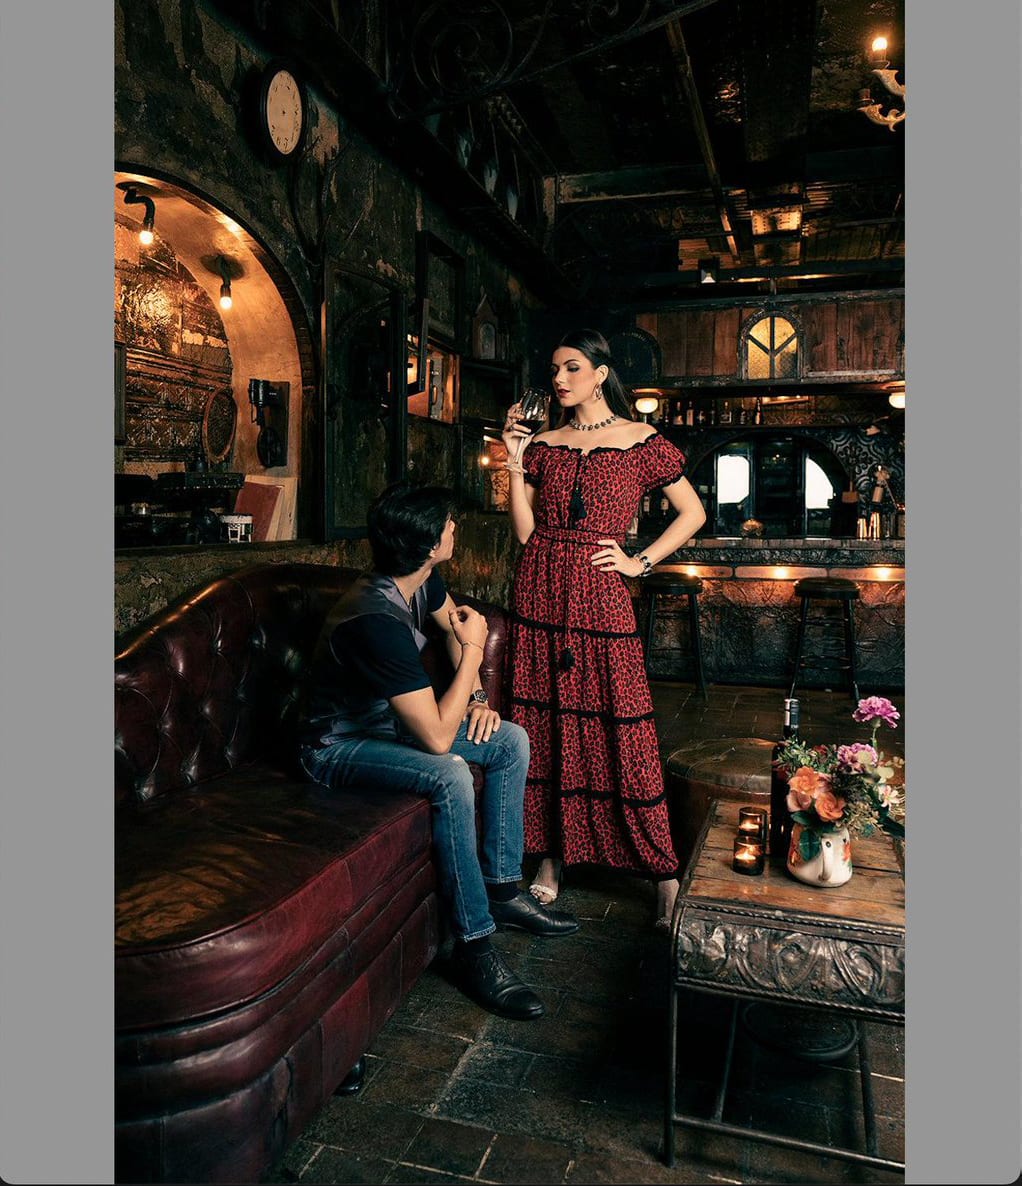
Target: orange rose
{"type": "Point", "coordinates": [804, 786]}
{"type": "Point", "coordinates": [829, 807]}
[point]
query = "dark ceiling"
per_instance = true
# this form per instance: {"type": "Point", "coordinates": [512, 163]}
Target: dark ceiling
{"type": "Point", "coordinates": [608, 148]}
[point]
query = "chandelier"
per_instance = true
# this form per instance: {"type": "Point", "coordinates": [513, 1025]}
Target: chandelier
{"type": "Point", "coordinates": [871, 109]}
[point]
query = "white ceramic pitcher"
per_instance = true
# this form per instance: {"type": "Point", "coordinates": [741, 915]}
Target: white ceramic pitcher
{"type": "Point", "coordinates": [831, 866]}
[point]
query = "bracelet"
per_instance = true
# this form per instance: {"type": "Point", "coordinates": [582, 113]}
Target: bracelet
{"type": "Point", "coordinates": [472, 644]}
{"type": "Point", "coordinates": [514, 469]}
{"type": "Point", "coordinates": [647, 566]}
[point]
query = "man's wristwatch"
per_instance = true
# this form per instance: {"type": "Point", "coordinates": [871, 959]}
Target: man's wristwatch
{"type": "Point", "coordinates": [478, 697]}
{"type": "Point", "coordinates": [647, 565]}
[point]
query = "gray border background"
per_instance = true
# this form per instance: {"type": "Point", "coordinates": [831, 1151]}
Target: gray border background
{"type": "Point", "coordinates": [963, 702]}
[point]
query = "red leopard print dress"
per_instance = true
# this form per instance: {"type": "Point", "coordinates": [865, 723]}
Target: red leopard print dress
{"type": "Point", "coordinates": [595, 792]}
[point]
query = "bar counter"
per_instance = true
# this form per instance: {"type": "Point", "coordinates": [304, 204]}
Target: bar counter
{"type": "Point", "coordinates": [749, 611]}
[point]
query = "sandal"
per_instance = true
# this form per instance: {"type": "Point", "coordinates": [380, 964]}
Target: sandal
{"type": "Point", "coordinates": [545, 894]}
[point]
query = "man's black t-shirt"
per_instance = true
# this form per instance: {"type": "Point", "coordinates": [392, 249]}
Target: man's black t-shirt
{"type": "Point", "coordinates": [380, 652]}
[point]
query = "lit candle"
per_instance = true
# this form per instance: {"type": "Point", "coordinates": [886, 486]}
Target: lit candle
{"type": "Point", "coordinates": [748, 856]}
{"type": "Point", "coordinates": [752, 824]}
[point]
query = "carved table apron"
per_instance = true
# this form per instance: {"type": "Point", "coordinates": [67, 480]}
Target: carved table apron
{"type": "Point", "coordinates": [770, 938]}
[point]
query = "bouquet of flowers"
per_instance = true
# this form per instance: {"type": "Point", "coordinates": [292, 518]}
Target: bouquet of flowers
{"type": "Point", "coordinates": [853, 786]}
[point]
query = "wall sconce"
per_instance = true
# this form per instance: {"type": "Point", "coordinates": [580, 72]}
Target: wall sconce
{"type": "Point", "coordinates": [708, 270]}
{"type": "Point", "coordinates": [872, 110]}
{"type": "Point", "coordinates": [133, 198]}
{"type": "Point", "coordinates": [897, 399]}
{"type": "Point", "coordinates": [226, 300]}
{"type": "Point", "coordinates": [646, 404]}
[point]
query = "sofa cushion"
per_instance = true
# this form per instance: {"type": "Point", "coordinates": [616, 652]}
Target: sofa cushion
{"type": "Point", "coordinates": [223, 892]}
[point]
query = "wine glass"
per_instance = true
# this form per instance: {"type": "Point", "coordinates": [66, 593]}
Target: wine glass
{"type": "Point", "coordinates": [534, 412]}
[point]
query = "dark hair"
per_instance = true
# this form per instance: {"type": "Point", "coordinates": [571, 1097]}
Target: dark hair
{"type": "Point", "coordinates": [405, 522]}
{"type": "Point", "coordinates": [594, 346]}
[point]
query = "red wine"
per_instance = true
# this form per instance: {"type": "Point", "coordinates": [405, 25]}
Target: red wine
{"type": "Point", "coordinates": [531, 425]}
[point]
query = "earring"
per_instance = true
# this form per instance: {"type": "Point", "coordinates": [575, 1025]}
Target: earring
{"type": "Point", "coordinates": [598, 392]}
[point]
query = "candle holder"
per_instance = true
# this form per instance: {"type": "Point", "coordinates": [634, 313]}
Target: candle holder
{"type": "Point", "coordinates": [748, 856]}
{"type": "Point", "coordinates": [752, 824]}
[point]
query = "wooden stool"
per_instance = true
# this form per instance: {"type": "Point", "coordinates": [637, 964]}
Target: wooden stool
{"type": "Point", "coordinates": [676, 584]}
{"type": "Point", "coordinates": [827, 589]}
{"type": "Point", "coordinates": [735, 769]}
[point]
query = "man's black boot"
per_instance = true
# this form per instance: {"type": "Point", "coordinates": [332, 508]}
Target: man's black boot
{"type": "Point", "coordinates": [524, 913]}
{"type": "Point", "coordinates": [487, 979]}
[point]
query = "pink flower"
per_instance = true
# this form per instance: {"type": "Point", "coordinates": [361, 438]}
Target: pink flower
{"type": "Point", "coordinates": [876, 708]}
{"type": "Point", "coordinates": [857, 755]}
{"type": "Point", "coordinates": [829, 807]}
{"type": "Point", "coordinates": [804, 786]}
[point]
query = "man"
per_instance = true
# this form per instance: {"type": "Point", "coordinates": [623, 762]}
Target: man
{"type": "Point", "coordinates": [373, 718]}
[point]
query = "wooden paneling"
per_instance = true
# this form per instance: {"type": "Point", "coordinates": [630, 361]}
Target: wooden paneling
{"type": "Point", "coordinates": [839, 337]}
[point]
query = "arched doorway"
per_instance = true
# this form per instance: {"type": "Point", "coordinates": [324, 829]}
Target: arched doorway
{"type": "Point", "coordinates": [188, 362]}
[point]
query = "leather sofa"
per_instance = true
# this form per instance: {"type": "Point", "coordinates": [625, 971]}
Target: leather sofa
{"type": "Point", "coordinates": [266, 928]}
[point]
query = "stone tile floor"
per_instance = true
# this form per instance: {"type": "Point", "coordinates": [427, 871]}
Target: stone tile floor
{"type": "Point", "coordinates": [454, 1094]}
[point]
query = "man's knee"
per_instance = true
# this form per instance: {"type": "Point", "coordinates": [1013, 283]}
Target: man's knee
{"type": "Point", "coordinates": [513, 740]}
{"type": "Point", "coordinates": [453, 781]}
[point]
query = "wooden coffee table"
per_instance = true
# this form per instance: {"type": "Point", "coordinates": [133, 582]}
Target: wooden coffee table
{"type": "Point", "coordinates": [771, 938]}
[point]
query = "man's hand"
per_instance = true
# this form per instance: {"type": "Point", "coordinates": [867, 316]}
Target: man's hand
{"type": "Point", "coordinates": [469, 626]}
{"type": "Point", "coordinates": [483, 722]}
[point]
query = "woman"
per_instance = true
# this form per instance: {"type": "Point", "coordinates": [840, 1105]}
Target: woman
{"type": "Point", "coordinates": [595, 792]}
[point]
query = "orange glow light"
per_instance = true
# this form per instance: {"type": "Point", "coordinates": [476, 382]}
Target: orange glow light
{"type": "Point", "coordinates": [879, 45]}
{"type": "Point", "coordinates": [780, 574]}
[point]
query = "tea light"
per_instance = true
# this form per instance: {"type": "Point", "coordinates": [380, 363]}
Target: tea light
{"type": "Point", "coordinates": [752, 824]}
{"type": "Point", "coordinates": [748, 856]}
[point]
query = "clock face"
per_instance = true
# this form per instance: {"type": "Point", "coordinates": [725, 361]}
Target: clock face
{"type": "Point", "coordinates": [284, 112]}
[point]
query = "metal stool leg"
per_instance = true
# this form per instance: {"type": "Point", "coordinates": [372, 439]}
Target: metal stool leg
{"type": "Point", "coordinates": [799, 644]}
{"type": "Point", "coordinates": [650, 619]}
{"type": "Point", "coordinates": [850, 647]}
{"type": "Point", "coordinates": [697, 642]}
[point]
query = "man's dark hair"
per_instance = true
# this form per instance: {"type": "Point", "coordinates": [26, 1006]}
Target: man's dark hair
{"type": "Point", "coordinates": [405, 522]}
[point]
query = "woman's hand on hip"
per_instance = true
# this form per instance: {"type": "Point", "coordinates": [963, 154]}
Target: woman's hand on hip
{"type": "Point", "coordinates": [612, 558]}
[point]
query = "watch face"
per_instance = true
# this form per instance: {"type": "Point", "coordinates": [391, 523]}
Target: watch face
{"type": "Point", "coordinates": [284, 113]}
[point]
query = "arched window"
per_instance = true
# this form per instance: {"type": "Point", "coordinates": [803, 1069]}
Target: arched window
{"type": "Point", "coordinates": [790, 483]}
{"type": "Point", "coordinates": [771, 349]}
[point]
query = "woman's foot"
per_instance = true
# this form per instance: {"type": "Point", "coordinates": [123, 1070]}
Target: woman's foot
{"type": "Point", "coordinates": [666, 892]}
{"type": "Point", "coordinates": [546, 885]}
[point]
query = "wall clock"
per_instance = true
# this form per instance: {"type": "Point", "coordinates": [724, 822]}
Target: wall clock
{"type": "Point", "coordinates": [283, 111]}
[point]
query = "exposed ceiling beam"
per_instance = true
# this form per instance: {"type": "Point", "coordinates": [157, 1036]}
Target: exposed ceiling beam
{"type": "Point", "coordinates": [818, 269]}
{"type": "Point", "coordinates": [679, 51]}
{"type": "Point", "coordinates": [658, 181]}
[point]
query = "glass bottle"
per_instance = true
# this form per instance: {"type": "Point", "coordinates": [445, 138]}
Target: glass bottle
{"type": "Point", "coordinates": [780, 817]}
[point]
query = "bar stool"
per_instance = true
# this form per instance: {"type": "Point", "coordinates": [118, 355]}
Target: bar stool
{"type": "Point", "coordinates": [676, 584]}
{"type": "Point", "coordinates": [824, 589]}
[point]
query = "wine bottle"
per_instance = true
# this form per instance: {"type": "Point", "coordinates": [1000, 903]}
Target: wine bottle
{"type": "Point", "coordinates": [758, 416]}
{"type": "Point", "coordinates": [780, 817]}
{"type": "Point", "coordinates": [690, 415]}
{"type": "Point", "coordinates": [677, 417]}
{"type": "Point", "coordinates": [725, 413]}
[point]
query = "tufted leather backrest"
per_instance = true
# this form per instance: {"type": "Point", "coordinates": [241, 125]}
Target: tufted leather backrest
{"type": "Point", "coordinates": [215, 680]}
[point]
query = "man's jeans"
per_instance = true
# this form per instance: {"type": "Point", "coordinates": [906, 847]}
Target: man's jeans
{"type": "Point", "coordinates": [446, 781]}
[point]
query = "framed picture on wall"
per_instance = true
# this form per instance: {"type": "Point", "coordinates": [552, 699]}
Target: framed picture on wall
{"type": "Point", "coordinates": [440, 280]}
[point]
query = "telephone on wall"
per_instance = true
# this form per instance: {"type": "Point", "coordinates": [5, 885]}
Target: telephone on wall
{"type": "Point", "coordinates": [269, 400]}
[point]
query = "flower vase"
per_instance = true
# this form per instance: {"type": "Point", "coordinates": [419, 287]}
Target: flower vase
{"type": "Point", "coordinates": [819, 858]}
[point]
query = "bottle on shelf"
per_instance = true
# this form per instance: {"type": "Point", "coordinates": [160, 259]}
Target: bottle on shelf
{"type": "Point", "coordinates": [701, 418]}
{"type": "Point", "coordinates": [646, 505]}
{"type": "Point", "coordinates": [725, 412]}
{"type": "Point", "coordinates": [740, 414]}
{"type": "Point", "coordinates": [780, 817]}
{"type": "Point", "coordinates": [690, 415]}
{"type": "Point", "coordinates": [757, 417]}
{"type": "Point", "coordinates": [677, 415]}
{"type": "Point", "coordinates": [665, 506]}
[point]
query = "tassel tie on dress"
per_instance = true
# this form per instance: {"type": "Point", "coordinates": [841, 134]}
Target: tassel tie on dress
{"type": "Point", "coordinates": [571, 535]}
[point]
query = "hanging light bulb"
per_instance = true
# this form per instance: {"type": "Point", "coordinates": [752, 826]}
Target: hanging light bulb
{"type": "Point", "coordinates": [133, 198]}
{"type": "Point", "coordinates": [226, 301]}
